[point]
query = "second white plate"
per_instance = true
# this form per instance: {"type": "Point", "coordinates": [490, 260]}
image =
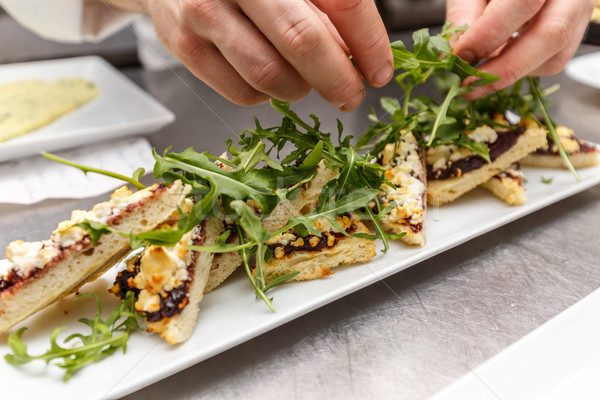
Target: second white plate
{"type": "Point", "coordinates": [121, 109]}
{"type": "Point", "coordinates": [585, 69]}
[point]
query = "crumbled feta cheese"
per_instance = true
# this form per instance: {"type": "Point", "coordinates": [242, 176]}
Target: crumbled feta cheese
{"type": "Point", "coordinates": [483, 133]}
{"type": "Point", "coordinates": [147, 302]}
{"type": "Point", "coordinates": [163, 269]}
{"type": "Point", "coordinates": [404, 174]}
{"type": "Point", "coordinates": [438, 156]}
{"type": "Point", "coordinates": [27, 256]}
{"type": "Point", "coordinates": [67, 235]}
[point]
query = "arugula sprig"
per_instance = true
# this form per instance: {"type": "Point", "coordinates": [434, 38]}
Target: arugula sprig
{"type": "Point", "coordinates": [446, 123]}
{"type": "Point", "coordinates": [106, 337]}
{"type": "Point", "coordinates": [134, 180]}
{"type": "Point", "coordinates": [433, 124]}
{"type": "Point", "coordinates": [358, 181]}
{"type": "Point", "coordinates": [536, 93]}
{"type": "Point", "coordinates": [437, 123]}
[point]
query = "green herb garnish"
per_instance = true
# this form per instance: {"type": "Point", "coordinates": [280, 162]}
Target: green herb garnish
{"type": "Point", "coordinates": [447, 123]}
{"type": "Point", "coordinates": [106, 337]}
{"type": "Point", "coordinates": [134, 180]}
{"type": "Point", "coordinates": [433, 124]}
{"type": "Point", "coordinates": [547, 181]}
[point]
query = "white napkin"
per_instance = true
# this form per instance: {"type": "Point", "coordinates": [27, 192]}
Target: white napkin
{"type": "Point", "coordinates": [33, 179]}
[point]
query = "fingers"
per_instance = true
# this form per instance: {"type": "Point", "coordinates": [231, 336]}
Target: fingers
{"type": "Point", "coordinates": [330, 27]}
{"type": "Point", "coordinates": [207, 63]}
{"type": "Point", "coordinates": [558, 62]}
{"type": "Point", "coordinates": [500, 19]}
{"type": "Point", "coordinates": [553, 33]}
{"type": "Point", "coordinates": [249, 50]}
{"type": "Point", "coordinates": [242, 45]}
{"type": "Point", "coordinates": [304, 41]}
{"type": "Point", "coordinates": [362, 29]}
{"type": "Point", "coordinates": [464, 12]}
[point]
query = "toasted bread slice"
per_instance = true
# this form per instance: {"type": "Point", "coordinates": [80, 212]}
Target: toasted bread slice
{"type": "Point", "coordinates": [582, 154]}
{"type": "Point", "coordinates": [405, 169]}
{"type": "Point", "coordinates": [169, 282]}
{"type": "Point", "coordinates": [224, 264]}
{"type": "Point", "coordinates": [314, 257]}
{"type": "Point", "coordinates": [449, 182]}
{"type": "Point", "coordinates": [44, 272]}
{"type": "Point", "coordinates": [508, 185]}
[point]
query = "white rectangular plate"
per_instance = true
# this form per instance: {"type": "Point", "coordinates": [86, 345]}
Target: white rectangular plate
{"type": "Point", "coordinates": [230, 315]}
{"type": "Point", "coordinates": [121, 109]}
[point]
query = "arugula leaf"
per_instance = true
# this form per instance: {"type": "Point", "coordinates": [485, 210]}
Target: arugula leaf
{"type": "Point", "coordinates": [138, 174]}
{"type": "Point", "coordinates": [334, 207]}
{"type": "Point", "coordinates": [106, 337]}
{"type": "Point", "coordinates": [95, 229]}
{"type": "Point", "coordinates": [432, 124]}
{"type": "Point", "coordinates": [236, 184]}
{"type": "Point", "coordinates": [248, 159]}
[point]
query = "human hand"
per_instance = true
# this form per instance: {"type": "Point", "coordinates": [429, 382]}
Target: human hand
{"type": "Point", "coordinates": [251, 50]}
{"type": "Point", "coordinates": [549, 33]}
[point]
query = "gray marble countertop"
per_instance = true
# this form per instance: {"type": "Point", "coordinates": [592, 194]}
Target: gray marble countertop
{"type": "Point", "coordinates": [410, 335]}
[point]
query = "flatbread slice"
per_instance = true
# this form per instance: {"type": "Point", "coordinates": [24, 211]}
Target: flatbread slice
{"type": "Point", "coordinates": [314, 257]}
{"type": "Point", "coordinates": [405, 169]}
{"type": "Point", "coordinates": [224, 264]}
{"type": "Point", "coordinates": [169, 282]}
{"type": "Point", "coordinates": [582, 154]}
{"type": "Point", "coordinates": [508, 185]}
{"type": "Point", "coordinates": [453, 171]}
{"type": "Point", "coordinates": [44, 272]}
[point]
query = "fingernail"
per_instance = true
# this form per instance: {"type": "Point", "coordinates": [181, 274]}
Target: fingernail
{"type": "Point", "coordinates": [468, 56]}
{"type": "Point", "coordinates": [355, 102]}
{"type": "Point", "coordinates": [383, 75]}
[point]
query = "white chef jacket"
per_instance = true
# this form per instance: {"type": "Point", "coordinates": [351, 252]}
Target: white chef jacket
{"type": "Point", "coordinates": [73, 21]}
{"type": "Point", "coordinates": [77, 21]}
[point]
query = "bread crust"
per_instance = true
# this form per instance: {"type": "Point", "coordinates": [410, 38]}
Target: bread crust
{"type": "Point", "coordinates": [582, 154]}
{"type": "Point", "coordinates": [579, 160]}
{"type": "Point", "coordinates": [222, 266]}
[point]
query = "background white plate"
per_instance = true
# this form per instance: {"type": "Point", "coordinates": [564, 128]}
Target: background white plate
{"type": "Point", "coordinates": [230, 315]}
{"type": "Point", "coordinates": [559, 360]}
{"type": "Point", "coordinates": [585, 69]}
{"type": "Point", "coordinates": [121, 109]}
